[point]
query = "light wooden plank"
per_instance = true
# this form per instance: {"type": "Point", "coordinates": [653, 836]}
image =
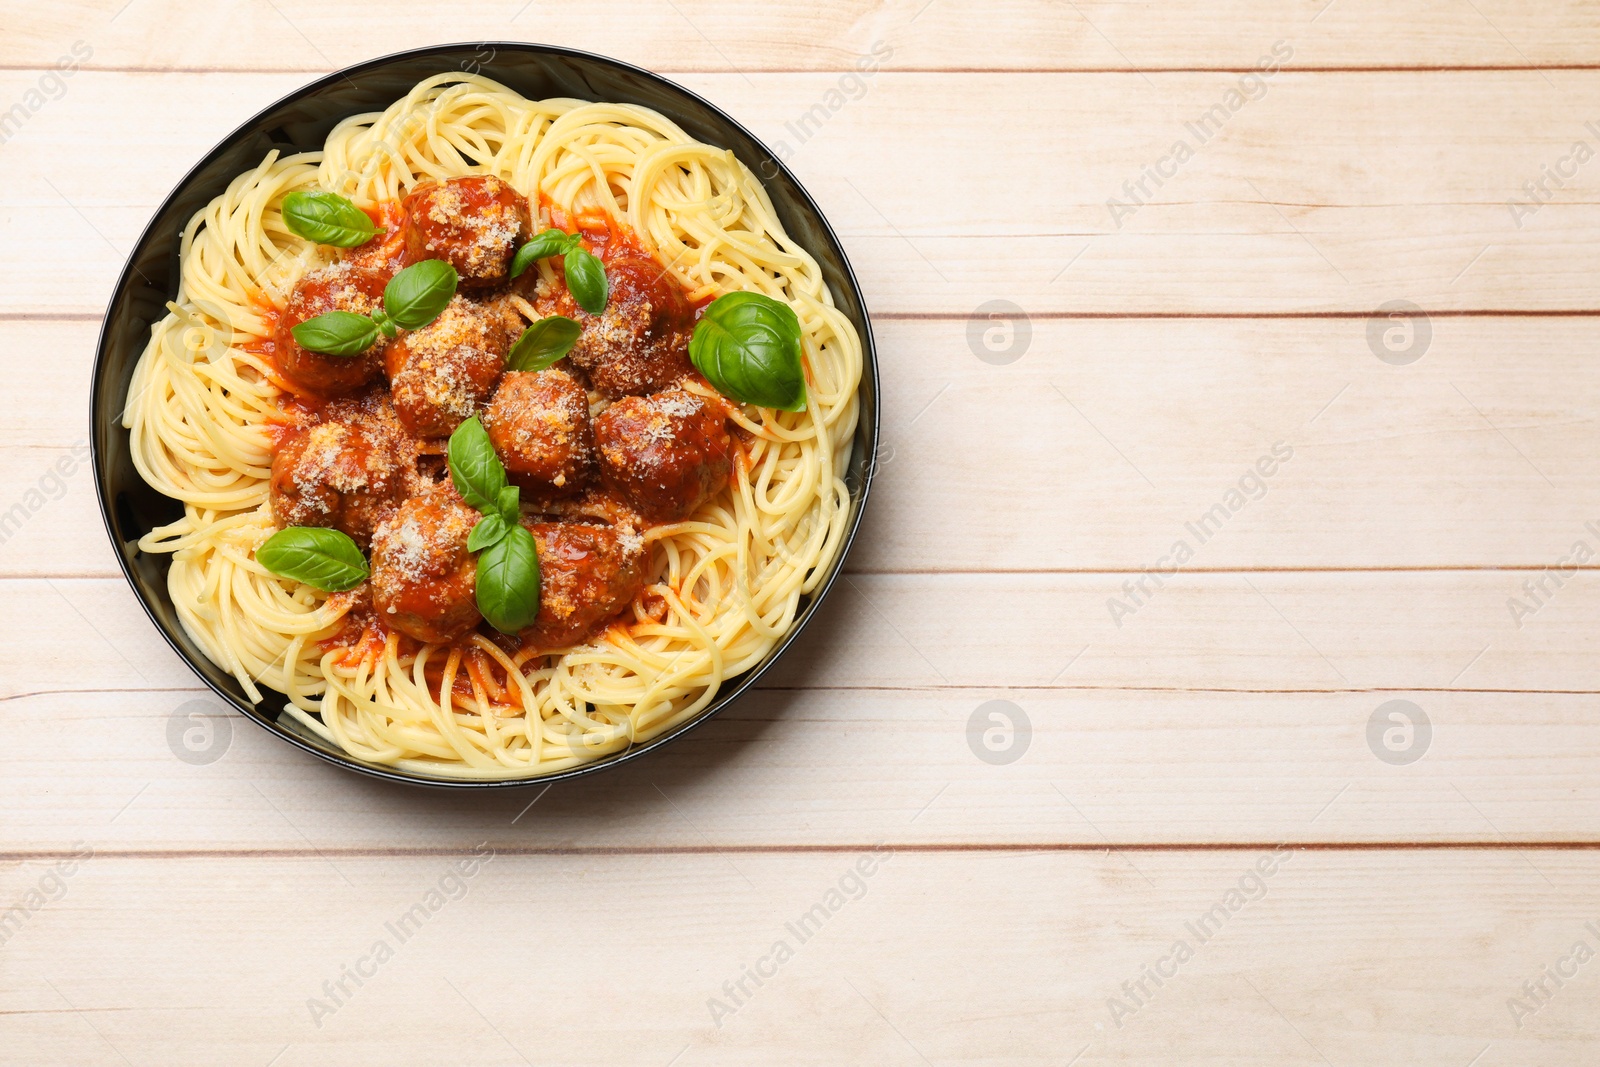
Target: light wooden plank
{"type": "Point", "coordinates": [1276, 632]}
{"type": "Point", "coordinates": [1096, 447]}
{"type": "Point", "coordinates": [1397, 187]}
{"type": "Point", "coordinates": [723, 35]}
{"type": "Point", "coordinates": [1135, 741]}
{"type": "Point", "coordinates": [996, 960]}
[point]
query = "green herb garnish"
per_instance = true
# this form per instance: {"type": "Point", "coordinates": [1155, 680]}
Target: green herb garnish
{"type": "Point", "coordinates": [508, 557]}
{"type": "Point", "coordinates": [748, 347]}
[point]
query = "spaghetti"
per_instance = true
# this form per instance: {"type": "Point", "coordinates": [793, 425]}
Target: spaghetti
{"type": "Point", "coordinates": [207, 405]}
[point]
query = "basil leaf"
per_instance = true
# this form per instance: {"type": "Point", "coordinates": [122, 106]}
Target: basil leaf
{"type": "Point", "coordinates": [511, 504]}
{"type": "Point", "coordinates": [545, 243]}
{"type": "Point", "coordinates": [323, 559]}
{"type": "Point", "coordinates": [415, 296]}
{"type": "Point", "coordinates": [380, 317]}
{"type": "Point", "coordinates": [487, 532]}
{"type": "Point", "coordinates": [543, 344]}
{"type": "Point", "coordinates": [586, 277]}
{"type": "Point", "coordinates": [327, 218]}
{"type": "Point", "coordinates": [474, 468]}
{"type": "Point", "coordinates": [748, 346]}
{"type": "Point", "coordinates": [508, 581]}
{"type": "Point", "coordinates": [337, 333]}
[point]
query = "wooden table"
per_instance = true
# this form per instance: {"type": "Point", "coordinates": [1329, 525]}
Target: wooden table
{"type": "Point", "coordinates": [1200, 829]}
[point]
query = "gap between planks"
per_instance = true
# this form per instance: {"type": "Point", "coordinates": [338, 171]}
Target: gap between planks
{"type": "Point", "coordinates": [954, 572]}
{"type": "Point", "coordinates": [1027, 848]}
{"type": "Point", "coordinates": [1064, 316]}
{"type": "Point", "coordinates": [977, 688]}
{"type": "Point", "coordinates": [1443, 68]}
{"type": "Point", "coordinates": [1057, 316]}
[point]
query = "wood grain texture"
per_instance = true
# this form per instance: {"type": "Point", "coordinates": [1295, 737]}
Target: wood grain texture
{"type": "Point", "coordinates": [1099, 447]}
{"type": "Point", "coordinates": [784, 770]}
{"type": "Point", "coordinates": [1286, 633]}
{"type": "Point", "coordinates": [1211, 717]}
{"type": "Point", "coordinates": [1002, 959]}
{"type": "Point", "coordinates": [1032, 464]}
{"type": "Point", "coordinates": [1397, 187]}
{"type": "Point", "coordinates": [729, 36]}
{"type": "Point", "coordinates": [1279, 632]}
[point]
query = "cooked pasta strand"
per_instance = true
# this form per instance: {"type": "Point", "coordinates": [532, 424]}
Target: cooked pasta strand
{"type": "Point", "coordinates": [727, 582]}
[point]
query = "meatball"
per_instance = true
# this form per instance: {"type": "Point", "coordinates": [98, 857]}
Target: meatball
{"type": "Point", "coordinates": [342, 474]}
{"type": "Point", "coordinates": [341, 287]}
{"type": "Point", "coordinates": [371, 407]}
{"type": "Point", "coordinates": [665, 454]}
{"type": "Point", "coordinates": [586, 575]}
{"type": "Point", "coordinates": [443, 373]}
{"type": "Point", "coordinates": [385, 253]}
{"type": "Point", "coordinates": [539, 425]}
{"type": "Point", "coordinates": [640, 342]}
{"type": "Point", "coordinates": [475, 224]}
{"type": "Point", "coordinates": [424, 581]}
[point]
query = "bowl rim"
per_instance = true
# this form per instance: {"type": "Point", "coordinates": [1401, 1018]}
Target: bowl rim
{"type": "Point", "coordinates": [725, 696]}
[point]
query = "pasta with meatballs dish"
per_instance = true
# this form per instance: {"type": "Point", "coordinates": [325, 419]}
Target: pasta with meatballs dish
{"type": "Point", "coordinates": [506, 431]}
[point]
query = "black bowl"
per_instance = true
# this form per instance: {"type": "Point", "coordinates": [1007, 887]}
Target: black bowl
{"type": "Point", "coordinates": [302, 121]}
